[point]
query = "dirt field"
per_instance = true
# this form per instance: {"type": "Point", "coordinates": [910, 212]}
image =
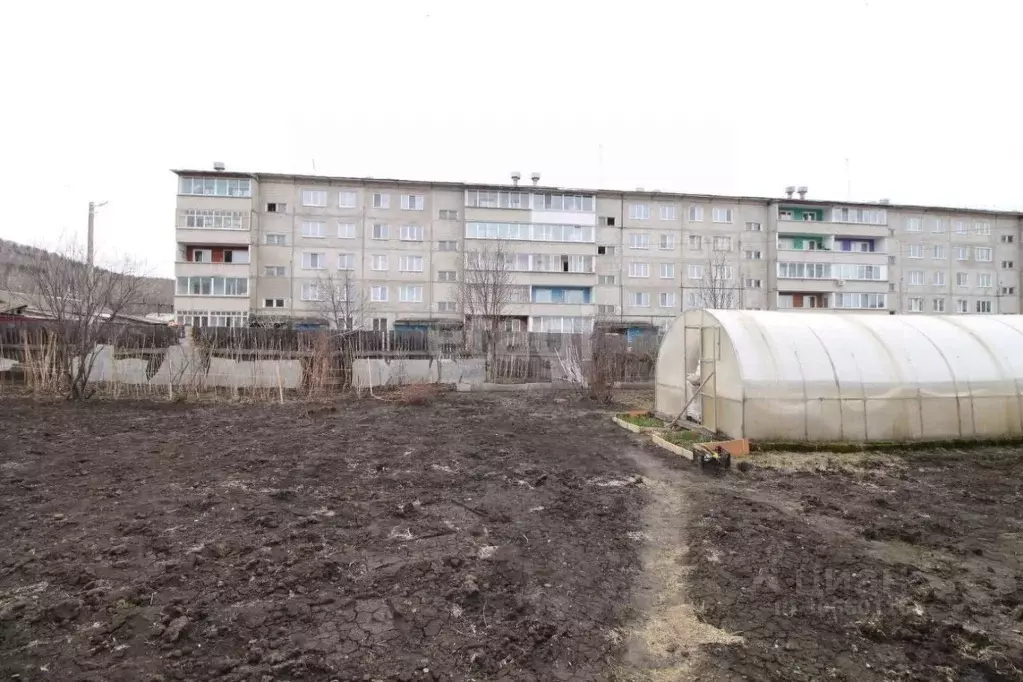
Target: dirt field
{"type": "Point", "coordinates": [473, 538]}
{"type": "Point", "coordinates": [486, 537]}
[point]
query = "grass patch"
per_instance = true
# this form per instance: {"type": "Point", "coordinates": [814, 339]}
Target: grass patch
{"type": "Point", "coordinates": [644, 419]}
{"type": "Point", "coordinates": [684, 437]}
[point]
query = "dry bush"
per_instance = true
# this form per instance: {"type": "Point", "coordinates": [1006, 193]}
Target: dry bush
{"type": "Point", "coordinates": [416, 394]}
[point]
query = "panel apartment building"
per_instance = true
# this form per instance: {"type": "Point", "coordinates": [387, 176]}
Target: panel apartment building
{"type": "Point", "coordinates": [259, 245]}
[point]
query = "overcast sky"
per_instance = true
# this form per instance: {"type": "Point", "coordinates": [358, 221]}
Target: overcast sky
{"type": "Point", "coordinates": [725, 96]}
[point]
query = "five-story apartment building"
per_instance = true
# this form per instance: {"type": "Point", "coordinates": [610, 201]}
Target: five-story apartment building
{"type": "Point", "coordinates": [254, 245]}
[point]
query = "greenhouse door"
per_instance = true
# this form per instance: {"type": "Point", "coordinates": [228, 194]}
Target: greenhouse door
{"type": "Point", "coordinates": [709, 351]}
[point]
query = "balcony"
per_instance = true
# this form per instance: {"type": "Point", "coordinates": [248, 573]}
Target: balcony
{"type": "Point", "coordinates": [821, 248]}
{"type": "Point", "coordinates": [842, 221]}
{"type": "Point", "coordinates": [209, 260]}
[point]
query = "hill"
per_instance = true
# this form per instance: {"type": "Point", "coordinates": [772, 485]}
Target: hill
{"type": "Point", "coordinates": [15, 259]}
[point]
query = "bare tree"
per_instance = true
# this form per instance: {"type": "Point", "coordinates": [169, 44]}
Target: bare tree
{"type": "Point", "coordinates": [84, 303]}
{"type": "Point", "coordinates": [720, 287]}
{"type": "Point", "coordinates": [341, 302]}
{"type": "Point", "coordinates": [486, 292]}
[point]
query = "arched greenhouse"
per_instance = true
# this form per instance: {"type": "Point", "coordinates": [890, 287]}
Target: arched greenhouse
{"type": "Point", "coordinates": [801, 376]}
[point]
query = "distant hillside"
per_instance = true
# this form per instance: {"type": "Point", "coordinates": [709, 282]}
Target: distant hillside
{"type": "Point", "coordinates": [15, 259]}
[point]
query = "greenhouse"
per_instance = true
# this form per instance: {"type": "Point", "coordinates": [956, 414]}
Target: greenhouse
{"type": "Point", "coordinates": [801, 376]}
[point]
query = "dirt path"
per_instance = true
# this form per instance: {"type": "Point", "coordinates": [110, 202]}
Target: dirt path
{"type": "Point", "coordinates": [665, 641]}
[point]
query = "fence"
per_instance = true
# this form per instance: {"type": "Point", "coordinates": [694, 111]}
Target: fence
{"type": "Point", "coordinates": [141, 360]}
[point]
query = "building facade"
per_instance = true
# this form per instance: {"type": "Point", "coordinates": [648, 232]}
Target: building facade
{"type": "Point", "coordinates": [264, 246]}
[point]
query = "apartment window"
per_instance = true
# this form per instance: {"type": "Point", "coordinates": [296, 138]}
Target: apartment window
{"type": "Point", "coordinates": [696, 214]}
{"type": "Point", "coordinates": [961, 252]}
{"type": "Point", "coordinates": [346, 261]}
{"type": "Point", "coordinates": [960, 227]}
{"type": "Point", "coordinates": [607, 220]}
{"type": "Point", "coordinates": [751, 283]}
{"type": "Point", "coordinates": [754, 227]}
{"type": "Point", "coordinates": [938, 305]}
{"type": "Point", "coordinates": [939, 278]}
{"type": "Point", "coordinates": [314, 197]}
{"type": "Point", "coordinates": [916, 305]}
{"type": "Point", "coordinates": [410, 294]}
{"type": "Point", "coordinates": [667, 211]}
{"type": "Point", "coordinates": [447, 307]}
{"type": "Point", "coordinates": [379, 262]}
{"type": "Point", "coordinates": [914, 224]}
{"type": "Point", "coordinates": [1008, 238]}
{"type": "Point", "coordinates": [215, 187]}
{"type": "Point", "coordinates": [447, 276]}
{"type": "Point", "coordinates": [380, 323]}
{"type": "Point", "coordinates": [276, 207]}
{"type": "Point", "coordinates": [1007, 291]}
{"type": "Point", "coordinates": [804, 270]}
{"type": "Point", "coordinates": [861, 301]}
{"type": "Point", "coordinates": [212, 286]}
{"type": "Point", "coordinates": [667, 271]}
{"type": "Point", "coordinates": [312, 291]}
{"type": "Point", "coordinates": [381, 200]}
{"type": "Point", "coordinates": [916, 278]}
{"type": "Point", "coordinates": [346, 230]}
{"type": "Point", "coordinates": [202, 255]}
{"type": "Point", "coordinates": [448, 214]}
{"type": "Point", "coordinates": [695, 242]}
{"type": "Point", "coordinates": [694, 271]}
{"type": "Point", "coordinates": [605, 309]}
{"type": "Point", "coordinates": [605, 250]}
{"type": "Point", "coordinates": [667, 241]}
{"type": "Point", "coordinates": [538, 232]}
{"type": "Point", "coordinates": [640, 299]}
{"type": "Point", "coordinates": [275, 271]}
{"type": "Point", "coordinates": [1007, 264]}
{"type": "Point", "coordinates": [312, 261]}
{"type": "Point", "coordinates": [378, 294]}
{"type": "Point", "coordinates": [722, 215]}
{"type": "Point", "coordinates": [939, 252]}
{"type": "Point", "coordinates": [639, 211]}
{"type": "Point", "coordinates": [915, 251]}
{"type": "Point", "coordinates": [447, 246]}
{"type": "Point", "coordinates": [982, 228]}
{"type": "Point", "coordinates": [273, 302]}
{"type": "Point", "coordinates": [639, 269]}
{"type": "Point", "coordinates": [984, 305]}
{"type": "Point", "coordinates": [722, 243]}
{"type": "Point", "coordinates": [380, 231]}
{"type": "Point", "coordinates": [785, 215]}
{"type": "Point", "coordinates": [938, 226]}
{"type": "Point", "coordinates": [410, 264]}
{"type": "Point", "coordinates": [982, 254]}
{"type": "Point", "coordinates": [962, 279]}
{"type": "Point", "coordinates": [753, 254]}
{"type": "Point", "coordinates": [313, 229]}
{"type": "Point", "coordinates": [275, 239]}
{"type": "Point", "coordinates": [347, 199]}
{"type": "Point", "coordinates": [562, 325]}
{"type": "Point", "coordinates": [861, 216]}
{"type": "Point", "coordinates": [984, 281]}
{"type": "Point", "coordinates": [204, 218]}
{"type": "Point", "coordinates": [639, 240]}
{"type": "Point", "coordinates": [962, 306]}
{"type": "Point", "coordinates": [605, 279]}
{"type": "Point", "coordinates": [412, 202]}
{"type": "Point", "coordinates": [667, 299]}
{"type": "Point", "coordinates": [410, 233]}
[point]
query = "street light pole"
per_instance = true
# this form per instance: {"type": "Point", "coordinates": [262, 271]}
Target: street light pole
{"type": "Point", "coordinates": [90, 253]}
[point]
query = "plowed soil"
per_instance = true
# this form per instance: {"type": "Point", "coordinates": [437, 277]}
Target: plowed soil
{"type": "Point", "coordinates": [471, 538]}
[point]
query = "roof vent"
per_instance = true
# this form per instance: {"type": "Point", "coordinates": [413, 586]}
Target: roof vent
{"type": "Point", "coordinates": [535, 177]}
{"type": "Point", "coordinates": [516, 176]}
{"type": "Point", "coordinates": [802, 191]}
{"type": "Point", "coordinates": [219, 166]}
{"type": "Point", "coordinates": [790, 190]}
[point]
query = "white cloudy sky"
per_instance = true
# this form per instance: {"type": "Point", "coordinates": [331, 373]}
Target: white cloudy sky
{"type": "Point", "coordinates": [730, 96]}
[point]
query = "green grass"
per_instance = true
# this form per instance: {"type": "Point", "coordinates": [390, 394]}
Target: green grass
{"type": "Point", "coordinates": [684, 437]}
{"type": "Point", "coordinates": [645, 420]}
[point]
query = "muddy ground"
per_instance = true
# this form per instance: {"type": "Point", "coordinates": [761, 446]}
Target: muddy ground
{"type": "Point", "coordinates": [471, 538]}
{"type": "Point", "coordinates": [487, 537]}
{"type": "Point", "coordinates": [839, 567]}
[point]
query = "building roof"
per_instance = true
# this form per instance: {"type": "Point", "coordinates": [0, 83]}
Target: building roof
{"type": "Point", "coordinates": [605, 193]}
